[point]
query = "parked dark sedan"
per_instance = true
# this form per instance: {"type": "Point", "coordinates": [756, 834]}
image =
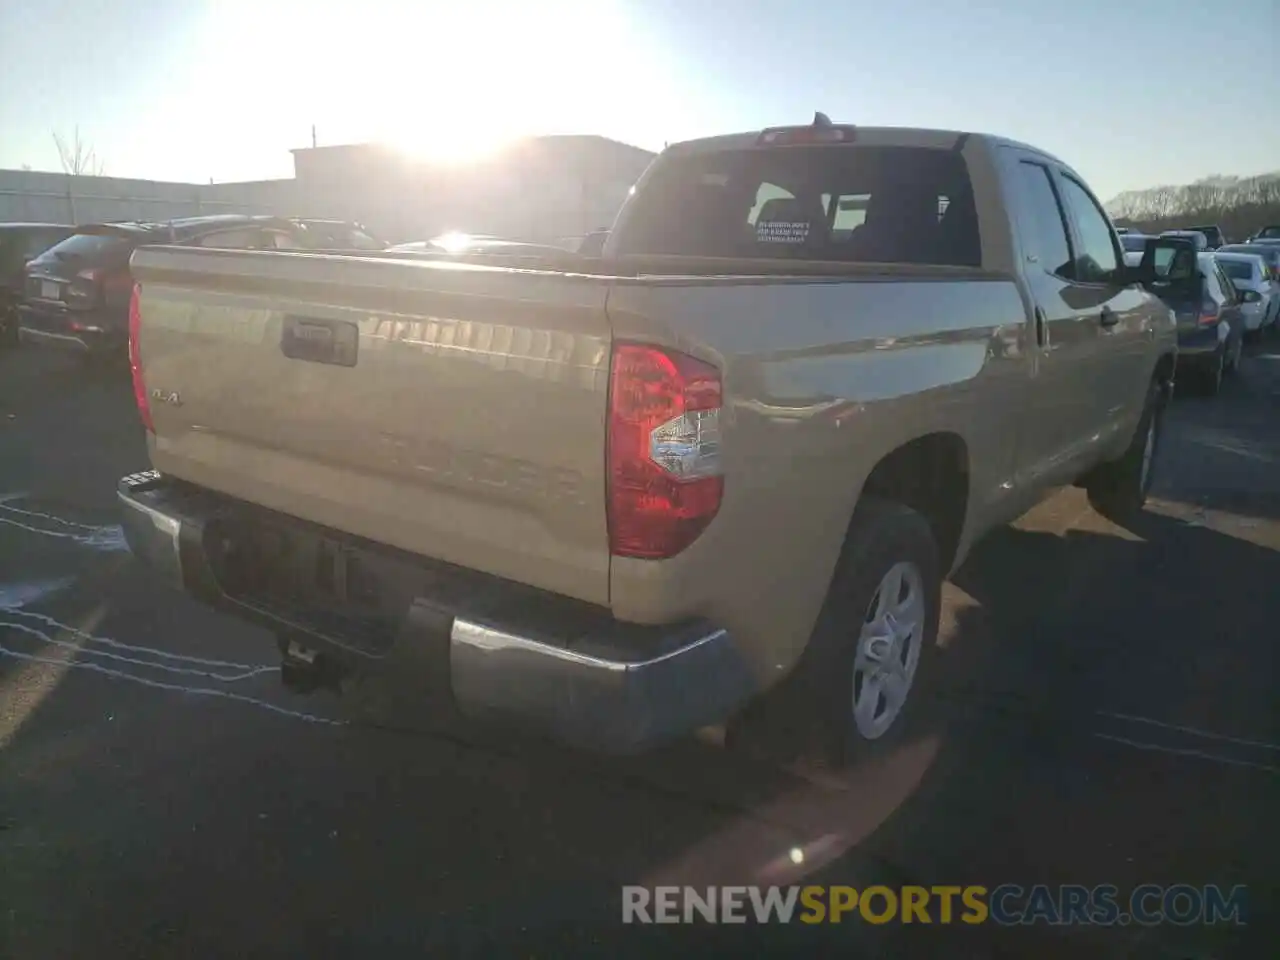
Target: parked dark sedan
{"type": "Point", "coordinates": [1211, 327]}
{"type": "Point", "coordinates": [1207, 309]}
{"type": "Point", "coordinates": [20, 242]}
{"type": "Point", "coordinates": [76, 294]}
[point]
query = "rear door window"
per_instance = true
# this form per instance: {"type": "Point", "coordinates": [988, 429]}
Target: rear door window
{"type": "Point", "coordinates": [866, 204]}
{"type": "Point", "coordinates": [1229, 292]}
{"type": "Point", "coordinates": [1215, 284]}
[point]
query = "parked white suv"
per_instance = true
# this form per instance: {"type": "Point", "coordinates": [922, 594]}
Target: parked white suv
{"type": "Point", "coordinates": [1249, 274]}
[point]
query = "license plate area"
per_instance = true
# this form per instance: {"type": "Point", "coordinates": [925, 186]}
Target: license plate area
{"type": "Point", "coordinates": [49, 290]}
{"type": "Point", "coordinates": [320, 582]}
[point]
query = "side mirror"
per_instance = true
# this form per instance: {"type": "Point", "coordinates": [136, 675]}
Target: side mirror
{"type": "Point", "coordinates": [1250, 296]}
{"type": "Point", "coordinates": [1169, 266]}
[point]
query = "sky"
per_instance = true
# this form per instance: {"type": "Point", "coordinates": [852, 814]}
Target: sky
{"type": "Point", "coordinates": [1132, 93]}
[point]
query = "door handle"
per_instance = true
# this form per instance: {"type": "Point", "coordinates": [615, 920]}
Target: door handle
{"type": "Point", "coordinates": [1108, 318]}
{"type": "Point", "coordinates": [1041, 331]}
{"type": "Point", "coordinates": [316, 340]}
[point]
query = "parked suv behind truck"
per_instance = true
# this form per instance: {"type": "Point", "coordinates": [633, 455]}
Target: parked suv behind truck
{"type": "Point", "coordinates": [19, 243]}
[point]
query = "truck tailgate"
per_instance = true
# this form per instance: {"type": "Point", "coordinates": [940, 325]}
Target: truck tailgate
{"type": "Point", "coordinates": [454, 411]}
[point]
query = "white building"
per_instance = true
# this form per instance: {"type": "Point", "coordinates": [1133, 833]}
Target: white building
{"type": "Point", "coordinates": [541, 188]}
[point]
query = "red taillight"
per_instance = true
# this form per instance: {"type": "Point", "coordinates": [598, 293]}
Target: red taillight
{"type": "Point", "coordinates": [663, 451]}
{"type": "Point", "coordinates": [1209, 314]}
{"type": "Point", "coordinates": [135, 360]}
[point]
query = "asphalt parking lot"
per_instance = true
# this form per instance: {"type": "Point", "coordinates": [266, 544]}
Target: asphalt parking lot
{"type": "Point", "coordinates": [1114, 720]}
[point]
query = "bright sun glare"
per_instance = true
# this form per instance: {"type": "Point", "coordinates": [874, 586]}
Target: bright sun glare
{"type": "Point", "coordinates": [445, 80]}
{"type": "Point", "coordinates": [458, 81]}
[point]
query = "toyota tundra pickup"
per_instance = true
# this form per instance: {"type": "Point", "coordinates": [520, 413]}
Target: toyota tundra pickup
{"type": "Point", "coordinates": [624, 497]}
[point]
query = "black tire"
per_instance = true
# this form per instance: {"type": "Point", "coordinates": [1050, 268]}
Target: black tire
{"type": "Point", "coordinates": [1209, 379]}
{"type": "Point", "coordinates": [1236, 353]}
{"type": "Point", "coordinates": [810, 714]}
{"type": "Point", "coordinates": [1118, 490]}
{"type": "Point", "coordinates": [106, 360]}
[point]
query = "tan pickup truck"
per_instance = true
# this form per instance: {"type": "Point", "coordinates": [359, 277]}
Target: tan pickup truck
{"type": "Point", "coordinates": [624, 497]}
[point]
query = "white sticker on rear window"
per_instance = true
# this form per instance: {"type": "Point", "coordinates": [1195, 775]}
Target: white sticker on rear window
{"type": "Point", "coordinates": [782, 231]}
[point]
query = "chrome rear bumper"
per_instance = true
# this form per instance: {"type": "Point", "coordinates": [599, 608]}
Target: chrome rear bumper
{"type": "Point", "coordinates": [600, 684]}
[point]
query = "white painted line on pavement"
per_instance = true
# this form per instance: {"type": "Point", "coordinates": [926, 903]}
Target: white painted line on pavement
{"type": "Point", "coordinates": [46, 516]}
{"type": "Point", "coordinates": [106, 539]}
{"type": "Point", "coordinates": [1185, 752]}
{"type": "Point", "coordinates": [1260, 744]}
{"type": "Point", "coordinates": [15, 595]}
{"type": "Point", "coordinates": [150, 665]}
{"type": "Point", "coordinates": [175, 687]}
{"type": "Point", "coordinates": [133, 648]}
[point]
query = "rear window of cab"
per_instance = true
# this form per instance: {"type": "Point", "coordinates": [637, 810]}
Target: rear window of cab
{"type": "Point", "coordinates": [859, 204]}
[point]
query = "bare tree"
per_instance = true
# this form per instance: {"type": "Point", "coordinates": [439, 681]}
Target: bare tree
{"type": "Point", "coordinates": [77, 157]}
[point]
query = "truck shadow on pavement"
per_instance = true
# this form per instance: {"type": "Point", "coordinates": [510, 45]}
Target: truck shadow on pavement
{"type": "Point", "coordinates": [394, 840]}
{"type": "Point", "coordinates": [1046, 638]}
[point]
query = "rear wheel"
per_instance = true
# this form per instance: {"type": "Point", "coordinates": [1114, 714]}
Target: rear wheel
{"type": "Point", "coordinates": [866, 680]}
{"type": "Point", "coordinates": [1211, 376]}
{"type": "Point", "coordinates": [108, 359]}
{"type": "Point", "coordinates": [8, 327]}
{"type": "Point", "coordinates": [1233, 366]}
